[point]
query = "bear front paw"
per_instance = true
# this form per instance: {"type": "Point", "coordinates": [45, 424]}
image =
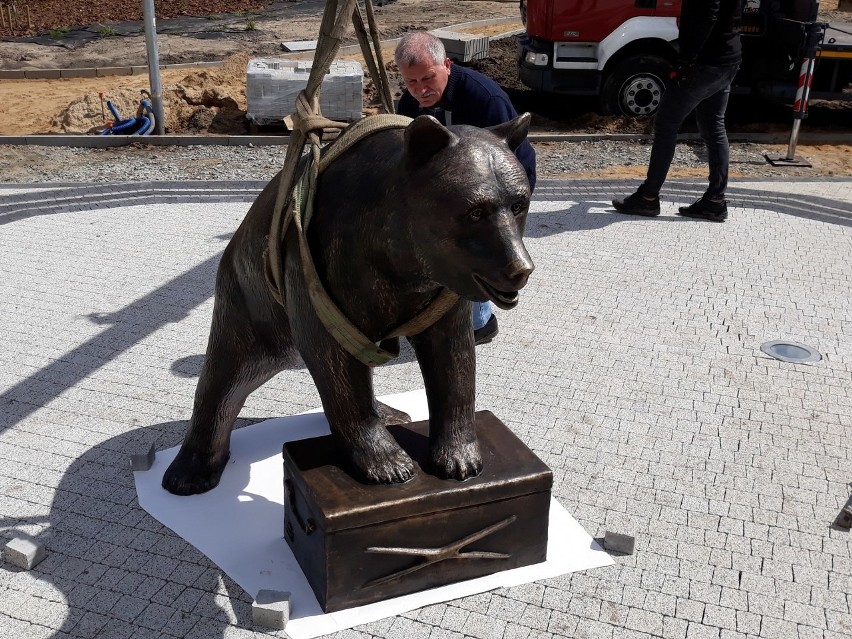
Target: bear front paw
{"type": "Point", "coordinates": [459, 461]}
{"type": "Point", "coordinates": [377, 458]}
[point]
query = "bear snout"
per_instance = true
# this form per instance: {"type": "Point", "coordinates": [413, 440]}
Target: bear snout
{"type": "Point", "coordinates": [518, 272]}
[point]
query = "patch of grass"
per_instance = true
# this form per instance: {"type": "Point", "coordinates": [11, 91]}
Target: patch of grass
{"type": "Point", "coordinates": [106, 31]}
{"type": "Point", "coordinates": [251, 25]}
{"type": "Point", "coordinates": [59, 32]}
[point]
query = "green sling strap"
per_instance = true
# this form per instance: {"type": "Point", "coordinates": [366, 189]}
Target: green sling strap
{"type": "Point", "coordinates": [300, 211]}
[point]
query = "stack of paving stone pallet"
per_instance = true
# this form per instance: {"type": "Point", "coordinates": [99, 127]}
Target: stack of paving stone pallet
{"type": "Point", "coordinates": [272, 87]}
{"type": "Point", "coordinates": [462, 47]}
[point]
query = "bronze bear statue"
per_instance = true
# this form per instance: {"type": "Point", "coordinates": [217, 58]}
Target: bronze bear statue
{"type": "Point", "coordinates": [400, 216]}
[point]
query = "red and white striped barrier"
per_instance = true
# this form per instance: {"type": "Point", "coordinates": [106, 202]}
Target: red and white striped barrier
{"type": "Point", "coordinates": [803, 90]}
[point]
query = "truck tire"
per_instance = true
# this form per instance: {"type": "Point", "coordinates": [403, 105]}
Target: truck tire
{"type": "Point", "coordinates": [634, 86]}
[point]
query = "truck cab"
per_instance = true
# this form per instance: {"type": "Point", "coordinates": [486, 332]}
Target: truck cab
{"type": "Point", "coordinates": [623, 50]}
{"type": "Point", "coordinates": [620, 50]}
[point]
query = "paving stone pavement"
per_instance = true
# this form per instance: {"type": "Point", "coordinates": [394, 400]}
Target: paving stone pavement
{"type": "Point", "coordinates": [631, 366]}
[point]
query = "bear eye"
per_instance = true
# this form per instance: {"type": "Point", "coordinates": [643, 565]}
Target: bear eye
{"type": "Point", "coordinates": [475, 214]}
{"type": "Point", "coordinates": [518, 208]}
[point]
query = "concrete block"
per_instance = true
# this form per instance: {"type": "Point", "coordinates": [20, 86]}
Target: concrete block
{"type": "Point", "coordinates": [89, 72]}
{"type": "Point", "coordinates": [42, 74]}
{"type": "Point", "coordinates": [462, 47]}
{"type": "Point", "coordinates": [272, 86]}
{"type": "Point", "coordinates": [109, 71]}
{"type": "Point", "coordinates": [97, 141]}
{"type": "Point", "coordinates": [179, 66]}
{"type": "Point", "coordinates": [271, 609]}
{"type": "Point", "coordinates": [143, 462]}
{"type": "Point", "coordinates": [844, 517]}
{"type": "Point", "coordinates": [16, 74]}
{"type": "Point", "coordinates": [186, 140]}
{"type": "Point", "coordinates": [299, 45]}
{"type": "Point", "coordinates": [24, 553]}
{"type": "Point", "coordinates": [616, 542]}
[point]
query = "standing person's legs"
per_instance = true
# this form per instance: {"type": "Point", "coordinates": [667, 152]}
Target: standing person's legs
{"type": "Point", "coordinates": [670, 116]}
{"type": "Point", "coordinates": [710, 116]}
{"type": "Point", "coordinates": [678, 102]}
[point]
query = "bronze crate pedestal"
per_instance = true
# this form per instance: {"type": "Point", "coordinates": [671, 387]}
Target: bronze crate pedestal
{"type": "Point", "coordinates": [359, 543]}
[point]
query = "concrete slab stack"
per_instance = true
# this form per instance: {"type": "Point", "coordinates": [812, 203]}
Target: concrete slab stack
{"type": "Point", "coordinates": [462, 47]}
{"type": "Point", "coordinates": [273, 85]}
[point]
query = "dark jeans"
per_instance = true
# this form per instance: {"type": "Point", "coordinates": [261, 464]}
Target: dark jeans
{"type": "Point", "coordinates": [705, 89]}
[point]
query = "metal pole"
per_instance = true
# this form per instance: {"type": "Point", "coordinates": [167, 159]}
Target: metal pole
{"type": "Point", "coordinates": [154, 66]}
{"type": "Point", "coordinates": [794, 140]}
{"type": "Point", "coordinates": [815, 33]}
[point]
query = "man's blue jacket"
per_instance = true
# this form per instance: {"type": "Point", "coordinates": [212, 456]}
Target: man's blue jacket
{"type": "Point", "coordinates": [475, 99]}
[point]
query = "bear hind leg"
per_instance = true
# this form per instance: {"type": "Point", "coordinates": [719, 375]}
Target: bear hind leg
{"type": "Point", "coordinates": [226, 380]}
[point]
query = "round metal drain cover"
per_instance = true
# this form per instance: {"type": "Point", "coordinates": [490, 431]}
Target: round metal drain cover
{"type": "Point", "coordinates": [791, 352]}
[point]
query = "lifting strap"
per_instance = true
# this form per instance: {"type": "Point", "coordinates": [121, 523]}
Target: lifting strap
{"type": "Point", "coordinates": [294, 199]}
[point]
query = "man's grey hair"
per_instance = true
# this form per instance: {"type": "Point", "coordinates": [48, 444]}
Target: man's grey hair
{"type": "Point", "coordinates": [419, 47]}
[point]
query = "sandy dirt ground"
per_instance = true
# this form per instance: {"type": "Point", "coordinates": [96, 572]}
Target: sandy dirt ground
{"type": "Point", "coordinates": [201, 101]}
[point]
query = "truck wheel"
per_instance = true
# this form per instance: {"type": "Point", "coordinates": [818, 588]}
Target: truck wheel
{"type": "Point", "coordinates": [634, 87]}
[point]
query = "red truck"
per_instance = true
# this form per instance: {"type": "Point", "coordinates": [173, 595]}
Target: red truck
{"type": "Point", "coordinates": [622, 50]}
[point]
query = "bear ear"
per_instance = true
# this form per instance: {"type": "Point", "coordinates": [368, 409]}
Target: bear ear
{"type": "Point", "coordinates": [514, 131]}
{"type": "Point", "coordinates": [425, 136]}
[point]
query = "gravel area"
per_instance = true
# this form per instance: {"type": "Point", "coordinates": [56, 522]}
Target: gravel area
{"type": "Point", "coordinates": [602, 159]}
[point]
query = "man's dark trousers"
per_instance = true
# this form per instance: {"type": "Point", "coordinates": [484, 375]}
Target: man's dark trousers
{"type": "Point", "coordinates": [706, 90]}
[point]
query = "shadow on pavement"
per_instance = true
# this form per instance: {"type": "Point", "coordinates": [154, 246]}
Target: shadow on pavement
{"type": "Point", "coordinates": [580, 216]}
{"type": "Point", "coordinates": [115, 565]}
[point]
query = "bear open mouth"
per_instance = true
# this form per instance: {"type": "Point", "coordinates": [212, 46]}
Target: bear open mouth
{"type": "Point", "coordinates": [502, 299]}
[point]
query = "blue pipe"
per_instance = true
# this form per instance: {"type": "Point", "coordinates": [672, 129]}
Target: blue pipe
{"type": "Point", "coordinates": [148, 118]}
{"type": "Point", "coordinates": [120, 128]}
{"type": "Point", "coordinates": [114, 111]}
{"type": "Point", "coordinates": [140, 125]}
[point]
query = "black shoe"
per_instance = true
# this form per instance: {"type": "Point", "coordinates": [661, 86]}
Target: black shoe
{"type": "Point", "coordinates": [706, 210]}
{"type": "Point", "coordinates": [638, 204]}
{"type": "Point", "coordinates": [486, 333]}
